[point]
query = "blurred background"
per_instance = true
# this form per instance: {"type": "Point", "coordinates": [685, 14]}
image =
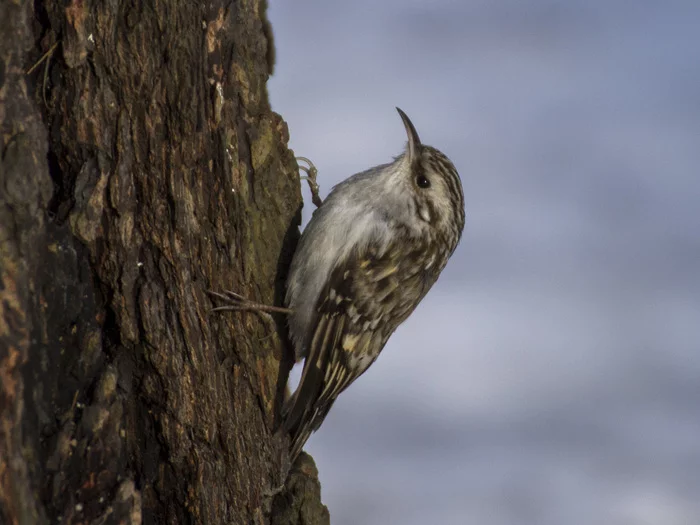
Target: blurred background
{"type": "Point", "coordinates": [552, 375]}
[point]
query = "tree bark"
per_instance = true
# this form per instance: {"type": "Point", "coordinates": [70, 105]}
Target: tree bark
{"type": "Point", "coordinates": [141, 165]}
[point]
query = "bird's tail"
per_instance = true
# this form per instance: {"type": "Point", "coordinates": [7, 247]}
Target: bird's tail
{"type": "Point", "coordinates": [300, 421]}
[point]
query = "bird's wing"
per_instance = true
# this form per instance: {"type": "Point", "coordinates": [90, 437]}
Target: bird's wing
{"type": "Point", "coordinates": [365, 298]}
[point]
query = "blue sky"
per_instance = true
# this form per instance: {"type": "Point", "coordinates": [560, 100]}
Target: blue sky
{"type": "Point", "coordinates": [552, 375]}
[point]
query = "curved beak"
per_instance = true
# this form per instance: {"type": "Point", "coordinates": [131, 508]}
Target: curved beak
{"type": "Point", "coordinates": [413, 139]}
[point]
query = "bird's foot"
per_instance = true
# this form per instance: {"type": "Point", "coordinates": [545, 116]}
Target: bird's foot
{"type": "Point", "coordinates": [310, 177]}
{"type": "Point", "coordinates": [237, 303]}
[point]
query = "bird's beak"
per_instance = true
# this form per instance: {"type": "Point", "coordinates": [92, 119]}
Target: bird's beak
{"type": "Point", "coordinates": [413, 139]}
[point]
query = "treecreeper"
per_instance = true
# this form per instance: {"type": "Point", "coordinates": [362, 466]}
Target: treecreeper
{"type": "Point", "coordinates": [372, 250]}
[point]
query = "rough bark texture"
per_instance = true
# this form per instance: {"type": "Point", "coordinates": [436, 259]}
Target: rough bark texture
{"type": "Point", "coordinates": [141, 165]}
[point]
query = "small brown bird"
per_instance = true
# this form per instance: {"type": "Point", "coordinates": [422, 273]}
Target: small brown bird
{"type": "Point", "coordinates": [369, 255]}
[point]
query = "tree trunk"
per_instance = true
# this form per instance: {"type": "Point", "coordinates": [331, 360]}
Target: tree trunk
{"type": "Point", "coordinates": [141, 166]}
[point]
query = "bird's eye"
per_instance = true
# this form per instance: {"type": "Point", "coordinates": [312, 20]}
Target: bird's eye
{"type": "Point", "coordinates": [422, 181]}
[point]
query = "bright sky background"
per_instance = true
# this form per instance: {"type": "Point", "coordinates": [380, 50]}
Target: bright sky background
{"type": "Point", "coordinates": [552, 375]}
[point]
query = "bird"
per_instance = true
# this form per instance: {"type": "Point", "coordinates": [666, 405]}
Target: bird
{"type": "Point", "coordinates": [370, 253]}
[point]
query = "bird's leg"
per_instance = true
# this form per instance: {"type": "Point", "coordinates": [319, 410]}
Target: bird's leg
{"type": "Point", "coordinates": [310, 177]}
{"type": "Point", "coordinates": [237, 303]}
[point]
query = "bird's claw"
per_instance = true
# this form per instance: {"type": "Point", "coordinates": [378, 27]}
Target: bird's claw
{"type": "Point", "coordinates": [310, 177]}
{"type": "Point", "coordinates": [238, 303]}
{"type": "Point", "coordinates": [235, 301]}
